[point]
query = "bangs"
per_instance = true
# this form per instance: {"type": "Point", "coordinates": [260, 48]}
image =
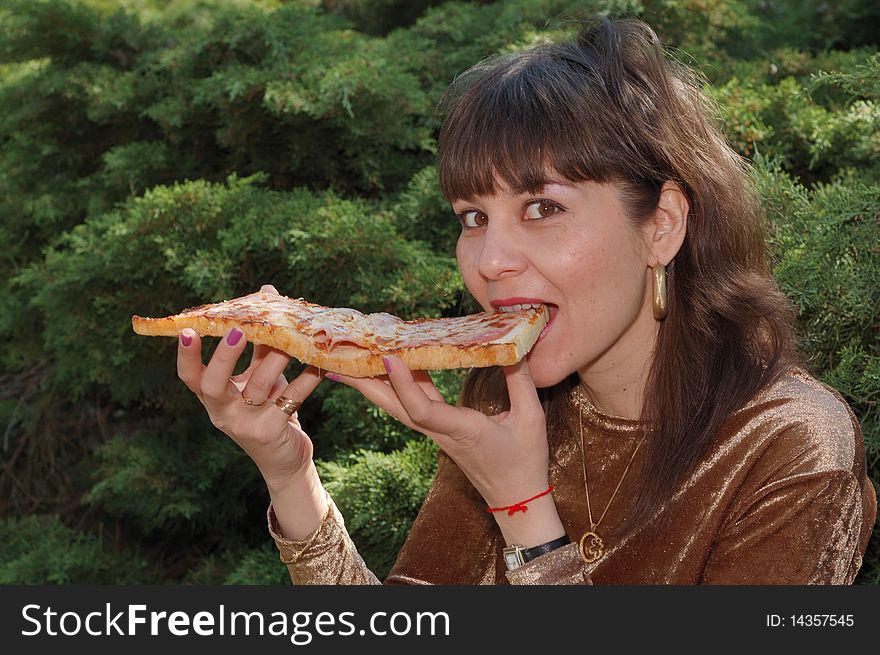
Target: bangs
{"type": "Point", "coordinates": [524, 120]}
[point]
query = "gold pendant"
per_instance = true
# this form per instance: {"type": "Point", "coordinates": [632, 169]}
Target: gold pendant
{"type": "Point", "coordinates": [596, 549]}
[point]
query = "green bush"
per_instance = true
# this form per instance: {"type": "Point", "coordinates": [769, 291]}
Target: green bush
{"type": "Point", "coordinates": [259, 565]}
{"type": "Point", "coordinates": [828, 262]}
{"type": "Point", "coordinates": [379, 16]}
{"type": "Point", "coordinates": [156, 155]}
{"type": "Point", "coordinates": [824, 244]}
{"type": "Point", "coordinates": [379, 496]}
{"type": "Point", "coordinates": [814, 140]}
{"type": "Point", "coordinates": [171, 475]}
{"type": "Point", "coordinates": [39, 549]}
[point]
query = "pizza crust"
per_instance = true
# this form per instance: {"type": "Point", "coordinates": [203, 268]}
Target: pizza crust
{"type": "Point", "coordinates": [350, 359]}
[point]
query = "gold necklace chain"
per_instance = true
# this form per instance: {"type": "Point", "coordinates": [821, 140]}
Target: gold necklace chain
{"type": "Point", "coordinates": [594, 550]}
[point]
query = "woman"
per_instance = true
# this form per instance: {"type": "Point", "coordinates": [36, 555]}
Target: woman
{"type": "Point", "coordinates": [660, 430]}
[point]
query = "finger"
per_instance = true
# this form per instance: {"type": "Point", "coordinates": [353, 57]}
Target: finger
{"type": "Point", "coordinates": [521, 388]}
{"type": "Point", "coordinates": [215, 383]}
{"type": "Point", "coordinates": [263, 376]}
{"type": "Point", "coordinates": [189, 359]}
{"type": "Point", "coordinates": [434, 415]}
{"type": "Point", "coordinates": [259, 352]}
{"type": "Point", "coordinates": [423, 379]}
{"type": "Point", "coordinates": [296, 392]}
{"type": "Point", "coordinates": [277, 388]}
{"type": "Point", "coordinates": [378, 391]}
{"type": "Point", "coordinates": [268, 288]}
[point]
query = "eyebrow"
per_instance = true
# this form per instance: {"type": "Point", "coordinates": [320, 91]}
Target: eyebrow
{"type": "Point", "coordinates": [564, 183]}
{"type": "Point", "coordinates": [513, 193]}
{"type": "Point", "coordinates": [544, 185]}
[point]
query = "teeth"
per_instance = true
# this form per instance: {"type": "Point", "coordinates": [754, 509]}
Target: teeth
{"type": "Point", "coordinates": [517, 308]}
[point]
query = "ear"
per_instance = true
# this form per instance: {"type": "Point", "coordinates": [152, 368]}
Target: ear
{"type": "Point", "coordinates": [666, 229]}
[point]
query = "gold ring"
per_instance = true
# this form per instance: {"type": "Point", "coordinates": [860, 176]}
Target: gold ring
{"type": "Point", "coordinates": [287, 405]}
{"type": "Point", "coordinates": [250, 401]}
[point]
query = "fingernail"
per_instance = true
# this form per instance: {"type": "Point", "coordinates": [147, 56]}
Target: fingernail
{"type": "Point", "coordinates": [332, 376]}
{"type": "Point", "coordinates": [185, 339]}
{"type": "Point", "coordinates": [387, 363]}
{"type": "Point", "coordinates": [234, 336]}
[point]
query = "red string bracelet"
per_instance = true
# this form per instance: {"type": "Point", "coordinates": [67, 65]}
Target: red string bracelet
{"type": "Point", "coordinates": [520, 506]}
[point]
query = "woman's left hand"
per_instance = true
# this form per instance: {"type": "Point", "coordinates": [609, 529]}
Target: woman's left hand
{"type": "Point", "coordinates": [505, 456]}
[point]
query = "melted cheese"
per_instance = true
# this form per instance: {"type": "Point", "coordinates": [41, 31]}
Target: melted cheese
{"type": "Point", "coordinates": [330, 327]}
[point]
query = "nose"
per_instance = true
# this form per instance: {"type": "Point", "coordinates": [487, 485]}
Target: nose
{"type": "Point", "coordinates": [501, 254]}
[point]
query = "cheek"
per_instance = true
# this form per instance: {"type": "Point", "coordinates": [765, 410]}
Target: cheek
{"type": "Point", "coordinates": [586, 267]}
{"type": "Point", "coordinates": [607, 278]}
{"type": "Point", "coordinates": [467, 266]}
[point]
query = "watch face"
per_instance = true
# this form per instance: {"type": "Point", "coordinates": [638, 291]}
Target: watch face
{"type": "Point", "coordinates": [513, 557]}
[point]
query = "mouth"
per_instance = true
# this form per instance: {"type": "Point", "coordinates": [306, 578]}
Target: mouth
{"type": "Point", "coordinates": [517, 307]}
{"type": "Point", "coordinates": [518, 304]}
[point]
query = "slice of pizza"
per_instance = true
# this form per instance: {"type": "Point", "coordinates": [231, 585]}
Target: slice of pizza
{"type": "Point", "coordinates": [346, 341]}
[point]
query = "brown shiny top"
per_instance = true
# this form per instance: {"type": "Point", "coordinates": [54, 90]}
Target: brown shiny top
{"type": "Point", "coordinates": [782, 498]}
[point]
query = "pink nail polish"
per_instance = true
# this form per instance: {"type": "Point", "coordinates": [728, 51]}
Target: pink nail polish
{"type": "Point", "coordinates": [332, 376]}
{"type": "Point", "coordinates": [387, 363]}
{"type": "Point", "coordinates": [185, 339]}
{"type": "Point", "coordinates": [234, 336]}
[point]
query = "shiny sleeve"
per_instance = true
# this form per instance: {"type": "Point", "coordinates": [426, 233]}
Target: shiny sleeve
{"type": "Point", "coordinates": [326, 557]}
{"type": "Point", "coordinates": [562, 566]}
{"type": "Point", "coordinates": [800, 516]}
{"type": "Point", "coordinates": [799, 530]}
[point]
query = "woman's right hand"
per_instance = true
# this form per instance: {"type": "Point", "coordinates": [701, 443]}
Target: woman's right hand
{"type": "Point", "coordinates": [274, 440]}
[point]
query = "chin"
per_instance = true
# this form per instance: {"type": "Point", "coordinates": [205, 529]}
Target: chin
{"type": "Point", "coordinates": [546, 374]}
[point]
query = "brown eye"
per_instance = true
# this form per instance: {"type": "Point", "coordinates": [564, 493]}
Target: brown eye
{"type": "Point", "coordinates": [472, 218]}
{"type": "Point", "coordinates": [541, 209]}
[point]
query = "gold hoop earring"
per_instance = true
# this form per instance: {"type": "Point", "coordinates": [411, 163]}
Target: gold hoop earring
{"type": "Point", "coordinates": [659, 292]}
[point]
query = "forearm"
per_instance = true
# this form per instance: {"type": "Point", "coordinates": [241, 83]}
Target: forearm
{"type": "Point", "coordinates": [538, 525]}
{"type": "Point", "coordinates": [310, 533]}
{"type": "Point", "coordinates": [299, 502]}
{"type": "Point", "coordinates": [326, 556]}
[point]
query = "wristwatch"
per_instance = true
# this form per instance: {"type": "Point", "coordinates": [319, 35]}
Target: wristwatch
{"type": "Point", "coordinates": [515, 556]}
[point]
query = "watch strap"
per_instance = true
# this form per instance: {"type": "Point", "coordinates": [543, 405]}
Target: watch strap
{"type": "Point", "coordinates": [528, 554]}
{"type": "Point", "coordinates": [515, 556]}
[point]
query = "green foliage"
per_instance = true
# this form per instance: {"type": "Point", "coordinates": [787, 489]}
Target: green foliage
{"type": "Point", "coordinates": [814, 139]}
{"type": "Point", "coordinates": [253, 566]}
{"type": "Point", "coordinates": [825, 244]}
{"type": "Point", "coordinates": [39, 549]}
{"type": "Point", "coordinates": [258, 566]}
{"type": "Point", "coordinates": [379, 495]}
{"type": "Point", "coordinates": [702, 30]}
{"type": "Point", "coordinates": [102, 106]}
{"type": "Point", "coordinates": [815, 24]}
{"type": "Point", "coordinates": [353, 423]}
{"type": "Point", "coordinates": [423, 214]}
{"type": "Point", "coordinates": [379, 16]}
{"type": "Point", "coordinates": [158, 154]}
{"type": "Point", "coordinates": [824, 241]}
{"type": "Point", "coordinates": [169, 475]}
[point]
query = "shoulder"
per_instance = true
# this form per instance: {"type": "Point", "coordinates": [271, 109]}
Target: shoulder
{"type": "Point", "coordinates": [802, 422]}
{"type": "Point", "coordinates": [796, 450]}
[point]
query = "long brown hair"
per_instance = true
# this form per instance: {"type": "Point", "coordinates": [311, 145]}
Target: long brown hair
{"type": "Point", "coordinates": [610, 106]}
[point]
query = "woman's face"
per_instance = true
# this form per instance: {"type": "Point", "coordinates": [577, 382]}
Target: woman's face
{"type": "Point", "coordinates": [571, 247]}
